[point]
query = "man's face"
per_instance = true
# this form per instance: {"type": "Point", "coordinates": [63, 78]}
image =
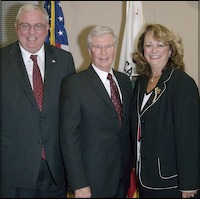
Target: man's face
{"type": "Point", "coordinates": [102, 51]}
{"type": "Point", "coordinates": [32, 30]}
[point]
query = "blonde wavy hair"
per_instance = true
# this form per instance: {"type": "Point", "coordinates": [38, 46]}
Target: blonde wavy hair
{"type": "Point", "coordinates": [166, 36]}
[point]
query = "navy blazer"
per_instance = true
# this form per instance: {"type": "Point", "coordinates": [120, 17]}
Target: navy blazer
{"type": "Point", "coordinates": [169, 132]}
{"type": "Point", "coordinates": [96, 149]}
{"type": "Point", "coordinates": [24, 127]}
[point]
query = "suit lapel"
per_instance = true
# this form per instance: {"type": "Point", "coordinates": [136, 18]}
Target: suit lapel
{"type": "Point", "coordinates": [18, 65]}
{"type": "Point", "coordinates": [150, 101]}
{"type": "Point", "coordinates": [21, 73]}
{"type": "Point", "coordinates": [142, 91]}
{"type": "Point", "coordinates": [157, 92]}
{"type": "Point", "coordinates": [50, 75]}
{"type": "Point", "coordinates": [98, 86]}
{"type": "Point", "coordinates": [123, 91]}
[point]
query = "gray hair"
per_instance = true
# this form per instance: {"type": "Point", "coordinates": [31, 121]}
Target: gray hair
{"type": "Point", "coordinates": [32, 7]}
{"type": "Point", "coordinates": [98, 31]}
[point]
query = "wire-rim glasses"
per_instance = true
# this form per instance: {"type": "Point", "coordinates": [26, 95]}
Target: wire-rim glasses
{"type": "Point", "coordinates": [26, 26]}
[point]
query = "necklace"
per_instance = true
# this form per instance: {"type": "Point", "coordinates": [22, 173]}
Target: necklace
{"type": "Point", "coordinates": [154, 77]}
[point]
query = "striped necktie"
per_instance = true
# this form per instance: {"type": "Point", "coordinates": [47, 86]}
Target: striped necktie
{"type": "Point", "coordinates": [115, 97]}
{"type": "Point", "coordinates": [38, 87]}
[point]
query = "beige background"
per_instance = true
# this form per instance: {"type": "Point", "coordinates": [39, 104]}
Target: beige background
{"type": "Point", "coordinates": [180, 16]}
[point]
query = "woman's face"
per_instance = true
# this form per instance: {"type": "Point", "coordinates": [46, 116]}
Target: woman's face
{"type": "Point", "coordinates": [156, 52]}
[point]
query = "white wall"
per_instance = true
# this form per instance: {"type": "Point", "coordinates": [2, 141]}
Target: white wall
{"type": "Point", "coordinates": [180, 16]}
{"type": "Point", "coordinates": [80, 16]}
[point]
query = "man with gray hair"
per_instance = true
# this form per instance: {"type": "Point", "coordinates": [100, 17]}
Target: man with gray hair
{"type": "Point", "coordinates": [95, 109]}
{"type": "Point", "coordinates": [32, 72]}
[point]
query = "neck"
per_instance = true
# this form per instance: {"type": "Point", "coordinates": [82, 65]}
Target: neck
{"type": "Point", "coordinates": [152, 78]}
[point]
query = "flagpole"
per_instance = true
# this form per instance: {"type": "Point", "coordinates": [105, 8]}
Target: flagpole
{"type": "Point", "coordinates": [52, 27]}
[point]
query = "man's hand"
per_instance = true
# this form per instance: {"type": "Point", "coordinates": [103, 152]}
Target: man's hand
{"type": "Point", "coordinates": [83, 193]}
{"type": "Point", "coordinates": [188, 194]}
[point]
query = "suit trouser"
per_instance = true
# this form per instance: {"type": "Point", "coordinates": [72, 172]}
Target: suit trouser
{"type": "Point", "coordinates": [45, 187]}
{"type": "Point", "coordinates": [120, 191]}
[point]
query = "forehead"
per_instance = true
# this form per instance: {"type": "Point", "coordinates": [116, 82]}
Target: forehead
{"type": "Point", "coordinates": [32, 15]}
{"type": "Point", "coordinates": [152, 37]}
{"type": "Point", "coordinates": [149, 35]}
{"type": "Point", "coordinates": [105, 38]}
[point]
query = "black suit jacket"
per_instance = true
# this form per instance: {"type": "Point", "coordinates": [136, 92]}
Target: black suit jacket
{"type": "Point", "coordinates": [169, 132]}
{"type": "Point", "coordinates": [96, 150]}
{"type": "Point", "coordinates": [24, 127]}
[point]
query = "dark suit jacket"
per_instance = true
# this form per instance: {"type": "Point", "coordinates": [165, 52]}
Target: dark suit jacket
{"type": "Point", "coordinates": [169, 132]}
{"type": "Point", "coordinates": [24, 127]}
{"type": "Point", "coordinates": [96, 150]}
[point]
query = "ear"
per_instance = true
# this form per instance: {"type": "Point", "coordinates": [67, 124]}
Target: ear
{"type": "Point", "coordinates": [170, 51]}
{"type": "Point", "coordinates": [89, 51]}
{"type": "Point", "coordinates": [47, 26]}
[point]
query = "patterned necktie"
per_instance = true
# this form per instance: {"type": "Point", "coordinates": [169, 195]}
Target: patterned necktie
{"type": "Point", "coordinates": [38, 87]}
{"type": "Point", "coordinates": [115, 97]}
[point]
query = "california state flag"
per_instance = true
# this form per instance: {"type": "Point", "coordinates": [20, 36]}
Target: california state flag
{"type": "Point", "coordinates": [134, 26]}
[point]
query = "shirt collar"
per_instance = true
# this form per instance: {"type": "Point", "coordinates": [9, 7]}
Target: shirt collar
{"type": "Point", "coordinates": [26, 55]}
{"type": "Point", "coordinates": [102, 74]}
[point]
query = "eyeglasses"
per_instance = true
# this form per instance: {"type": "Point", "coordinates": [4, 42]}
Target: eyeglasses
{"type": "Point", "coordinates": [25, 26]}
{"type": "Point", "coordinates": [107, 48]}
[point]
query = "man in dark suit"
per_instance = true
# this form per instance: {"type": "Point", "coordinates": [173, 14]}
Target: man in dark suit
{"type": "Point", "coordinates": [95, 140]}
{"type": "Point", "coordinates": [26, 129]}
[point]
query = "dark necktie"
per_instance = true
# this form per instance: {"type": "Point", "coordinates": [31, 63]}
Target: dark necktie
{"type": "Point", "coordinates": [38, 86]}
{"type": "Point", "coordinates": [115, 97]}
{"type": "Point", "coordinates": [38, 89]}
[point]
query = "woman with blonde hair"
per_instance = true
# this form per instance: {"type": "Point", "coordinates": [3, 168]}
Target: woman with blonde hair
{"type": "Point", "coordinates": [165, 117]}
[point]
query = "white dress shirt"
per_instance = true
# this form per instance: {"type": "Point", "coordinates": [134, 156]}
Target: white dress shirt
{"type": "Point", "coordinates": [29, 63]}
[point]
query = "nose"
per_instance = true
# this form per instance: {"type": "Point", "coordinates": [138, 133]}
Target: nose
{"type": "Point", "coordinates": [103, 50]}
{"type": "Point", "coordinates": [154, 49]}
{"type": "Point", "coordinates": [31, 29]}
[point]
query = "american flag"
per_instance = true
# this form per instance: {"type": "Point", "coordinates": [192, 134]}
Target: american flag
{"type": "Point", "coordinates": [57, 34]}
